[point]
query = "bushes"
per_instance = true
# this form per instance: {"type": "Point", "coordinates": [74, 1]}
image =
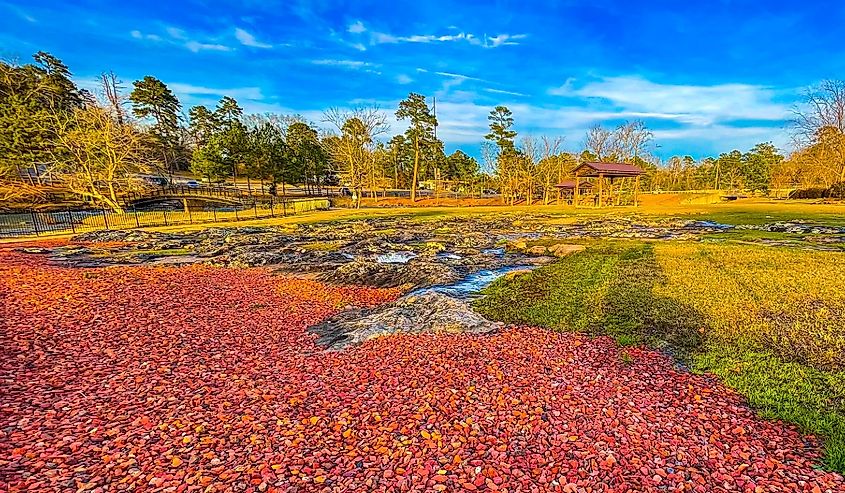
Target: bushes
{"type": "Point", "coordinates": [835, 191]}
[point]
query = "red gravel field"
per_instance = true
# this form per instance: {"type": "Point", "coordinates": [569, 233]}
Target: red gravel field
{"type": "Point", "coordinates": [204, 379]}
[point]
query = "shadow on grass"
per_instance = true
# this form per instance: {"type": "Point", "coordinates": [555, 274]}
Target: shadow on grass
{"type": "Point", "coordinates": [606, 290]}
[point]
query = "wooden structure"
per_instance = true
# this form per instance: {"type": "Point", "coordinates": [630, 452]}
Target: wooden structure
{"type": "Point", "coordinates": [566, 190]}
{"type": "Point", "coordinates": [611, 172]}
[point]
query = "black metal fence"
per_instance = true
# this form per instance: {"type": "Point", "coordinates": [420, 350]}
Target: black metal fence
{"type": "Point", "coordinates": [35, 223]}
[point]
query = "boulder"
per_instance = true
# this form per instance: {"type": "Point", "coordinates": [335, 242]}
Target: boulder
{"type": "Point", "coordinates": [564, 249]}
{"type": "Point", "coordinates": [412, 314]}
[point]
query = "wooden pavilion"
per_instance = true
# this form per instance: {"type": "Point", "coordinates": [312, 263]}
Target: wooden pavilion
{"type": "Point", "coordinates": [611, 172]}
{"type": "Point", "coordinates": [566, 190]}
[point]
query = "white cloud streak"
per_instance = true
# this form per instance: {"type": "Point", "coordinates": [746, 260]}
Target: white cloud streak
{"type": "Point", "coordinates": [247, 39]}
{"type": "Point", "coordinates": [378, 37]}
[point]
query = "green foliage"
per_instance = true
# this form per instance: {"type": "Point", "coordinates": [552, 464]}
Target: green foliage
{"type": "Point", "coordinates": [151, 98]}
{"type": "Point", "coordinates": [501, 132]}
{"type": "Point", "coordinates": [460, 166]}
{"type": "Point", "coordinates": [773, 332]}
{"type": "Point", "coordinates": [420, 133]}
{"type": "Point", "coordinates": [209, 160]}
{"type": "Point", "coordinates": [30, 97]}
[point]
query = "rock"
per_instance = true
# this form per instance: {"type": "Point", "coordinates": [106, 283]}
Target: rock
{"type": "Point", "coordinates": [537, 250]}
{"type": "Point", "coordinates": [412, 314]}
{"type": "Point", "coordinates": [413, 274]}
{"type": "Point", "coordinates": [121, 235]}
{"type": "Point", "coordinates": [32, 250]}
{"type": "Point", "coordinates": [564, 249]}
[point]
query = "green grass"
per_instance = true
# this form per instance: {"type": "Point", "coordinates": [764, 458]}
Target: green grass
{"type": "Point", "coordinates": [770, 322]}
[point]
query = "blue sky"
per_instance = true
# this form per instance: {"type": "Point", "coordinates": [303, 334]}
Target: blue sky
{"type": "Point", "coordinates": [705, 76]}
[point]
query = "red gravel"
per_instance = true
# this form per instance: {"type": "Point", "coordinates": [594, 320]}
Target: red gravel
{"type": "Point", "coordinates": [189, 379]}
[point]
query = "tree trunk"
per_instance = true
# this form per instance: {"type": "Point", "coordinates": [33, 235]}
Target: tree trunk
{"type": "Point", "coordinates": [416, 170]}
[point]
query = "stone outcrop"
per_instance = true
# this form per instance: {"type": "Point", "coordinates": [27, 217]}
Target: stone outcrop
{"type": "Point", "coordinates": [412, 314]}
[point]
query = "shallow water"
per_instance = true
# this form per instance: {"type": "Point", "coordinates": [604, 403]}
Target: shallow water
{"type": "Point", "coordinates": [395, 257]}
{"type": "Point", "coordinates": [471, 285]}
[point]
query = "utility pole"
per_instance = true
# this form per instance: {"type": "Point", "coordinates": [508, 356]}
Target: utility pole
{"type": "Point", "coordinates": [434, 110]}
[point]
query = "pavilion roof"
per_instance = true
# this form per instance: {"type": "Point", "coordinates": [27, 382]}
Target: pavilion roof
{"type": "Point", "coordinates": [609, 170]}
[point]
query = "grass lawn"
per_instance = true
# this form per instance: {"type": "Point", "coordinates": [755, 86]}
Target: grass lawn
{"type": "Point", "coordinates": [770, 322]}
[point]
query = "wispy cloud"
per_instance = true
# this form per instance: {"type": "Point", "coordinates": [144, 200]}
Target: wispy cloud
{"type": "Point", "coordinates": [252, 93]}
{"type": "Point", "coordinates": [502, 91]}
{"type": "Point", "coordinates": [379, 37]}
{"type": "Point", "coordinates": [694, 104]}
{"type": "Point", "coordinates": [139, 35]}
{"type": "Point", "coordinates": [21, 13]}
{"type": "Point", "coordinates": [248, 39]}
{"type": "Point", "coordinates": [348, 65]}
{"type": "Point", "coordinates": [179, 37]}
{"type": "Point", "coordinates": [357, 27]}
{"type": "Point", "coordinates": [197, 46]}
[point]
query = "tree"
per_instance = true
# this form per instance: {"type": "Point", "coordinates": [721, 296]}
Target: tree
{"type": "Point", "coordinates": [600, 142]}
{"type": "Point", "coordinates": [112, 92]}
{"type": "Point", "coordinates": [30, 96]}
{"type": "Point", "coordinates": [209, 161]}
{"type": "Point", "coordinates": [420, 132]}
{"type": "Point", "coordinates": [352, 149]}
{"type": "Point", "coordinates": [758, 164]}
{"type": "Point", "coordinates": [820, 123]}
{"type": "Point", "coordinates": [307, 153]}
{"type": "Point", "coordinates": [506, 158]}
{"type": "Point", "coordinates": [630, 140]}
{"type": "Point", "coordinates": [95, 154]}
{"type": "Point", "coordinates": [152, 99]}
{"type": "Point", "coordinates": [203, 124]}
{"type": "Point", "coordinates": [464, 167]}
{"type": "Point", "coordinates": [501, 132]}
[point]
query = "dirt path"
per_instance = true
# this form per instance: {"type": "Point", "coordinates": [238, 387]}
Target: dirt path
{"type": "Point", "coordinates": [135, 378]}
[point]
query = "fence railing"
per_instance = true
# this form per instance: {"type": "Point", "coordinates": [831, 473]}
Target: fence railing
{"type": "Point", "coordinates": [35, 223]}
{"type": "Point", "coordinates": [187, 192]}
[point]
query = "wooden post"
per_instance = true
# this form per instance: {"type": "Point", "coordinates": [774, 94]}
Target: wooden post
{"type": "Point", "coordinates": [636, 190]}
{"type": "Point", "coordinates": [575, 191]}
{"type": "Point", "coordinates": [601, 188]}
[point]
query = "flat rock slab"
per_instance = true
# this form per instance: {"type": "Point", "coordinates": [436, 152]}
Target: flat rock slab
{"type": "Point", "coordinates": [412, 314]}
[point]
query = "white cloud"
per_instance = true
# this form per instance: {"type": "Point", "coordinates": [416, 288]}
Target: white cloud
{"type": "Point", "coordinates": [357, 27]}
{"type": "Point", "coordinates": [248, 39]}
{"type": "Point", "coordinates": [176, 33]}
{"type": "Point", "coordinates": [404, 79]}
{"type": "Point", "coordinates": [197, 46]}
{"type": "Point", "coordinates": [351, 64]}
{"type": "Point", "coordinates": [181, 88]}
{"type": "Point", "coordinates": [501, 91]}
{"type": "Point", "coordinates": [486, 42]}
{"type": "Point", "coordinates": [698, 105]}
{"type": "Point", "coordinates": [139, 35]}
{"type": "Point", "coordinates": [504, 40]}
{"type": "Point", "coordinates": [178, 37]}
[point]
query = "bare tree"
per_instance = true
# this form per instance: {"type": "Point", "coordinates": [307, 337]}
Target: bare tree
{"type": "Point", "coordinates": [599, 142]}
{"type": "Point", "coordinates": [819, 126]}
{"type": "Point", "coordinates": [631, 139]}
{"type": "Point", "coordinates": [824, 106]}
{"type": "Point", "coordinates": [94, 154]}
{"type": "Point", "coordinates": [112, 93]}
{"type": "Point", "coordinates": [353, 149]}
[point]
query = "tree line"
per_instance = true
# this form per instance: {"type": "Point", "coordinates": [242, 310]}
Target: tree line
{"type": "Point", "coordinates": [94, 144]}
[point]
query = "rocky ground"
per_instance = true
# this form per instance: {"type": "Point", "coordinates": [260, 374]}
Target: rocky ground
{"type": "Point", "coordinates": [144, 378]}
{"type": "Point", "coordinates": [403, 251]}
